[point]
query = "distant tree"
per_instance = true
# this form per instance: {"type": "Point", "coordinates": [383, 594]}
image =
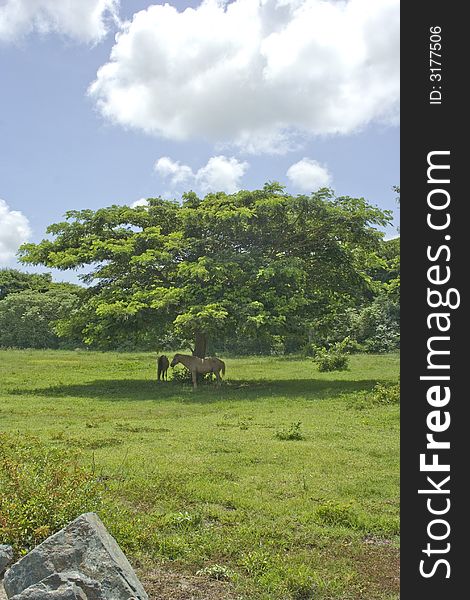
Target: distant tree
{"type": "Point", "coordinates": [27, 318]}
{"type": "Point", "coordinates": [12, 281]}
{"type": "Point", "coordinates": [254, 263]}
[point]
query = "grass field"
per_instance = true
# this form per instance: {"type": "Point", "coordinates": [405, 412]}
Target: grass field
{"type": "Point", "coordinates": [203, 481]}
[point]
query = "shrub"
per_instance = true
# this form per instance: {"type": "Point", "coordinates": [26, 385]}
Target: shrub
{"type": "Point", "coordinates": [386, 393]}
{"type": "Point", "coordinates": [183, 375]}
{"type": "Point", "coordinates": [380, 395]}
{"type": "Point", "coordinates": [373, 327]}
{"type": "Point", "coordinates": [377, 325]}
{"type": "Point", "coordinates": [291, 433]}
{"type": "Point", "coordinates": [41, 490]}
{"type": "Point", "coordinates": [334, 358]}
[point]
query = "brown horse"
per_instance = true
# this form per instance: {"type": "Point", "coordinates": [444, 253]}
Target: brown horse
{"type": "Point", "coordinates": [196, 365]}
{"type": "Point", "coordinates": [162, 367]}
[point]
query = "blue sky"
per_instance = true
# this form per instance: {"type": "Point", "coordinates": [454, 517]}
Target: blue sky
{"type": "Point", "coordinates": [62, 148]}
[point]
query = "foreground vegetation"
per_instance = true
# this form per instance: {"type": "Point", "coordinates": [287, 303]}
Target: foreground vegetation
{"type": "Point", "coordinates": [283, 484]}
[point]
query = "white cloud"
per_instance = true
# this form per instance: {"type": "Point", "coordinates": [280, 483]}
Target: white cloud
{"type": "Point", "coordinates": [14, 231]}
{"type": "Point", "coordinates": [173, 170]}
{"type": "Point", "coordinates": [82, 20]}
{"type": "Point", "coordinates": [220, 174]}
{"type": "Point", "coordinates": [139, 202]}
{"type": "Point", "coordinates": [309, 175]}
{"type": "Point", "coordinates": [254, 73]}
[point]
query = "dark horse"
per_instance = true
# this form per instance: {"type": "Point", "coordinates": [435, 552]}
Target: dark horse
{"type": "Point", "coordinates": [162, 367]}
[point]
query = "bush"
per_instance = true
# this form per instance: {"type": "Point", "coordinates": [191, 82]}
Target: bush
{"type": "Point", "coordinates": [377, 326]}
{"type": "Point", "coordinates": [386, 393]}
{"type": "Point", "coordinates": [292, 433]}
{"type": "Point", "coordinates": [183, 375]}
{"type": "Point", "coordinates": [41, 490]}
{"type": "Point", "coordinates": [373, 327]}
{"type": "Point", "coordinates": [382, 394]}
{"type": "Point", "coordinates": [334, 358]}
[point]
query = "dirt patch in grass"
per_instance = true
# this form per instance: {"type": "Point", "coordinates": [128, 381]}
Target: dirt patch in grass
{"type": "Point", "coordinates": [379, 568]}
{"type": "Point", "coordinates": [178, 586]}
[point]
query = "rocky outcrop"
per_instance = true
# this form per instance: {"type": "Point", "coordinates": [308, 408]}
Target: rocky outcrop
{"type": "Point", "coordinates": [6, 557]}
{"type": "Point", "coordinates": [62, 586]}
{"type": "Point", "coordinates": [81, 561]}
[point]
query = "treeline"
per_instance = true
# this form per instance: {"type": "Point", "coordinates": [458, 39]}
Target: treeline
{"type": "Point", "coordinates": [31, 306]}
{"type": "Point", "coordinates": [256, 272]}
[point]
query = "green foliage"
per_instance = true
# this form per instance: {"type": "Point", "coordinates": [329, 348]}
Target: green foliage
{"type": "Point", "coordinates": [386, 270]}
{"type": "Point", "coordinates": [382, 394]}
{"type": "Point", "coordinates": [28, 318]}
{"type": "Point", "coordinates": [255, 265]}
{"type": "Point", "coordinates": [293, 432]}
{"type": "Point", "coordinates": [182, 375]}
{"type": "Point", "coordinates": [372, 327]}
{"type": "Point", "coordinates": [41, 490]}
{"type": "Point", "coordinates": [386, 393]}
{"type": "Point", "coordinates": [376, 327]}
{"type": "Point", "coordinates": [334, 358]}
{"type": "Point", "coordinates": [13, 281]}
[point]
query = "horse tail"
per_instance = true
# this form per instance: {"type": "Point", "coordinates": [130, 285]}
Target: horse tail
{"type": "Point", "coordinates": [223, 367]}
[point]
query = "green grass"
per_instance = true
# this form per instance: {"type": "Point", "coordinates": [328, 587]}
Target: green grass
{"type": "Point", "coordinates": [201, 481]}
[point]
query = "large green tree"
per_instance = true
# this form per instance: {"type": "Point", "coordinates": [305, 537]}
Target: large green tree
{"type": "Point", "coordinates": [253, 263]}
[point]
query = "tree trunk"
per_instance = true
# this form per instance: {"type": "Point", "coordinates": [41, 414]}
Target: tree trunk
{"type": "Point", "coordinates": [200, 344]}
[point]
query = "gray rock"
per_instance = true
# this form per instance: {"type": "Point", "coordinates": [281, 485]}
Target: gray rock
{"type": "Point", "coordinates": [63, 593]}
{"type": "Point", "coordinates": [6, 557]}
{"type": "Point", "coordinates": [63, 586]}
{"type": "Point", "coordinates": [35, 592]}
{"type": "Point", "coordinates": [57, 587]}
{"type": "Point", "coordinates": [86, 548]}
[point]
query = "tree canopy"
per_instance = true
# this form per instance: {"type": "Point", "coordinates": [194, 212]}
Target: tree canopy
{"type": "Point", "coordinates": [30, 305]}
{"type": "Point", "coordinates": [12, 281]}
{"type": "Point", "coordinates": [253, 263]}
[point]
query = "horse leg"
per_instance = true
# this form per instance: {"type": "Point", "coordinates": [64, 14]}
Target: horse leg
{"type": "Point", "coordinates": [217, 375]}
{"type": "Point", "coordinates": [194, 376]}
